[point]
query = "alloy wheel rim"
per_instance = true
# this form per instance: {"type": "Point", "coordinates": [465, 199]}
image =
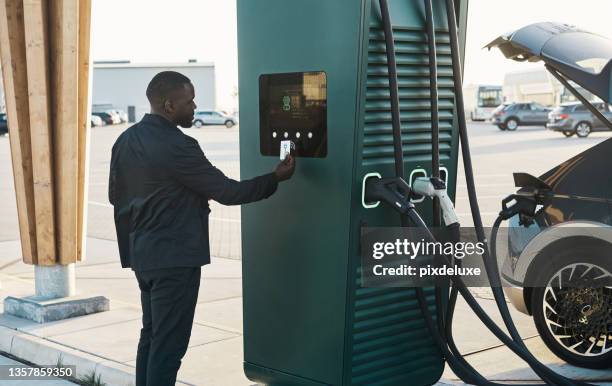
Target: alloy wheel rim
{"type": "Point", "coordinates": [580, 317]}
{"type": "Point", "coordinates": [512, 124]}
{"type": "Point", "coordinates": [583, 129]}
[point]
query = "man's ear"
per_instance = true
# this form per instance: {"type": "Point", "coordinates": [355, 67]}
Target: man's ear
{"type": "Point", "coordinates": [168, 106]}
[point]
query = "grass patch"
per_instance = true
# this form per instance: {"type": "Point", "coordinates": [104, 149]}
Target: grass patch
{"type": "Point", "coordinates": [92, 379]}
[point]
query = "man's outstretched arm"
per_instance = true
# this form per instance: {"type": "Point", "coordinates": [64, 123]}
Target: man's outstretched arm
{"type": "Point", "coordinates": [195, 171]}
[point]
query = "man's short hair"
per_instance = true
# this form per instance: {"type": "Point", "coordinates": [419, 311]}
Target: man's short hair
{"type": "Point", "coordinates": [163, 84]}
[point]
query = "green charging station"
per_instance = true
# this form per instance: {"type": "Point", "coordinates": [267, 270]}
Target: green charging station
{"type": "Point", "coordinates": [314, 72]}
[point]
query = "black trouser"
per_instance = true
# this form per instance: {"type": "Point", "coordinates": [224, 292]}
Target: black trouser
{"type": "Point", "coordinates": [168, 298]}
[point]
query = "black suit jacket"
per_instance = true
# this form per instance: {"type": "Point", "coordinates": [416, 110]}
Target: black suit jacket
{"type": "Point", "coordinates": [159, 184]}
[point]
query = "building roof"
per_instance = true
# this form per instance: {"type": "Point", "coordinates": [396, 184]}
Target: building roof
{"type": "Point", "coordinates": [127, 64]}
{"type": "Point", "coordinates": [530, 75]}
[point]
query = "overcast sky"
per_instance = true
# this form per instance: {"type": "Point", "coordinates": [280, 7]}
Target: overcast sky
{"type": "Point", "coordinates": [177, 30]}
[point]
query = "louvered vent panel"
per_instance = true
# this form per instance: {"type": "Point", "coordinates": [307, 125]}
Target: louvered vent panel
{"type": "Point", "coordinates": [391, 344]}
{"type": "Point", "coordinates": [390, 338]}
{"type": "Point", "coordinates": [413, 84]}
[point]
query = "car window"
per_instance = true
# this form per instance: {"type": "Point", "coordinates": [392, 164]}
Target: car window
{"type": "Point", "coordinates": [524, 107]}
{"type": "Point", "coordinates": [563, 109]}
{"type": "Point", "coordinates": [580, 108]}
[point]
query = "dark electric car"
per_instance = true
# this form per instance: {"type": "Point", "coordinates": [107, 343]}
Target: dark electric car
{"type": "Point", "coordinates": [559, 251]}
{"type": "Point", "coordinates": [558, 263]}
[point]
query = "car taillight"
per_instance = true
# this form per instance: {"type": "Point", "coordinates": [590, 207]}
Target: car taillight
{"type": "Point", "coordinates": [562, 116]}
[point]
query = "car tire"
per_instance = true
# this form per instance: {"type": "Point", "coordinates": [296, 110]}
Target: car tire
{"type": "Point", "coordinates": [583, 129]}
{"type": "Point", "coordinates": [501, 127]}
{"type": "Point", "coordinates": [512, 124]}
{"type": "Point", "coordinates": [198, 123]}
{"type": "Point", "coordinates": [568, 133]}
{"type": "Point", "coordinates": [229, 124]}
{"type": "Point", "coordinates": [569, 328]}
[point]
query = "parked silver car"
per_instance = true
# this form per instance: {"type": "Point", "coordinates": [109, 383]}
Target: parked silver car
{"type": "Point", "coordinates": [516, 114]}
{"type": "Point", "coordinates": [96, 121]}
{"type": "Point", "coordinates": [114, 116]}
{"type": "Point", "coordinates": [208, 117]}
{"type": "Point", "coordinates": [574, 118]}
{"type": "Point", "coordinates": [121, 114]}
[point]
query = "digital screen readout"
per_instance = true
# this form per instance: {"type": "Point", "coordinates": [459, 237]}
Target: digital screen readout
{"type": "Point", "coordinates": [293, 106]}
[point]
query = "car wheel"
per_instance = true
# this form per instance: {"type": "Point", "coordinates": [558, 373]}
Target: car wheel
{"type": "Point", "coordinates": [198, 123]}
{"type": "Point", "coordinates": [501, 127]}
{"type": "Point", "coordinates": [568, 133]}
{"type": "Point", "coordinates": [512, 124]}
{"type": "Point", "coordinates": [229, 124]}
{"type": "Point", "coordinates": [583, 129]}
{"type": "Point", "coordinates": [573, 313]}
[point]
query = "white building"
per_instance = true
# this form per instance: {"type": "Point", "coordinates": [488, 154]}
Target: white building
{"type": "Point", "coordinates": [123, 85]}
{"type": "Point", "coordinates": [533, 85]}
{"type": "Point", "coordinates": [538, 85]}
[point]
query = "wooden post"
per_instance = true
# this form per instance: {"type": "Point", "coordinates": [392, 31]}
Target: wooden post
{"type": "Point", "coordinates": [64, 59]}
{"type": "Point", "coordinates": [45, 52]}
{"type": "Point", "coordinates": [83, 121]}
{"type": "Point", "coordinates": [37, 62]}
{"type": "Point", "coordinates": [13, 56]}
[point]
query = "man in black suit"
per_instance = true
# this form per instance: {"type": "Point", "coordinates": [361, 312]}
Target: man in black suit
{"type": "Point", "coordinates": [159, 184]}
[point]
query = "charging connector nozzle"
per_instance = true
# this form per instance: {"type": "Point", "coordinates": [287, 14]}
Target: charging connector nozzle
{"type": "Point", "coordinates": [393, 191]}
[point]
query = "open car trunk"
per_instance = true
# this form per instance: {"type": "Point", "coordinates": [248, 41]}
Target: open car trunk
{"type": "Point", "coordinates": [580, 56]}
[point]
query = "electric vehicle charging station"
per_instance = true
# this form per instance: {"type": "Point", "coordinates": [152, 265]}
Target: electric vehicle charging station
{"type": "Point", "coordinates": [315, 72]}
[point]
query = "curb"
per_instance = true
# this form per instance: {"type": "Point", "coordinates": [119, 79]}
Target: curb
{"type": "Point", "coordinates": [41, 351]}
